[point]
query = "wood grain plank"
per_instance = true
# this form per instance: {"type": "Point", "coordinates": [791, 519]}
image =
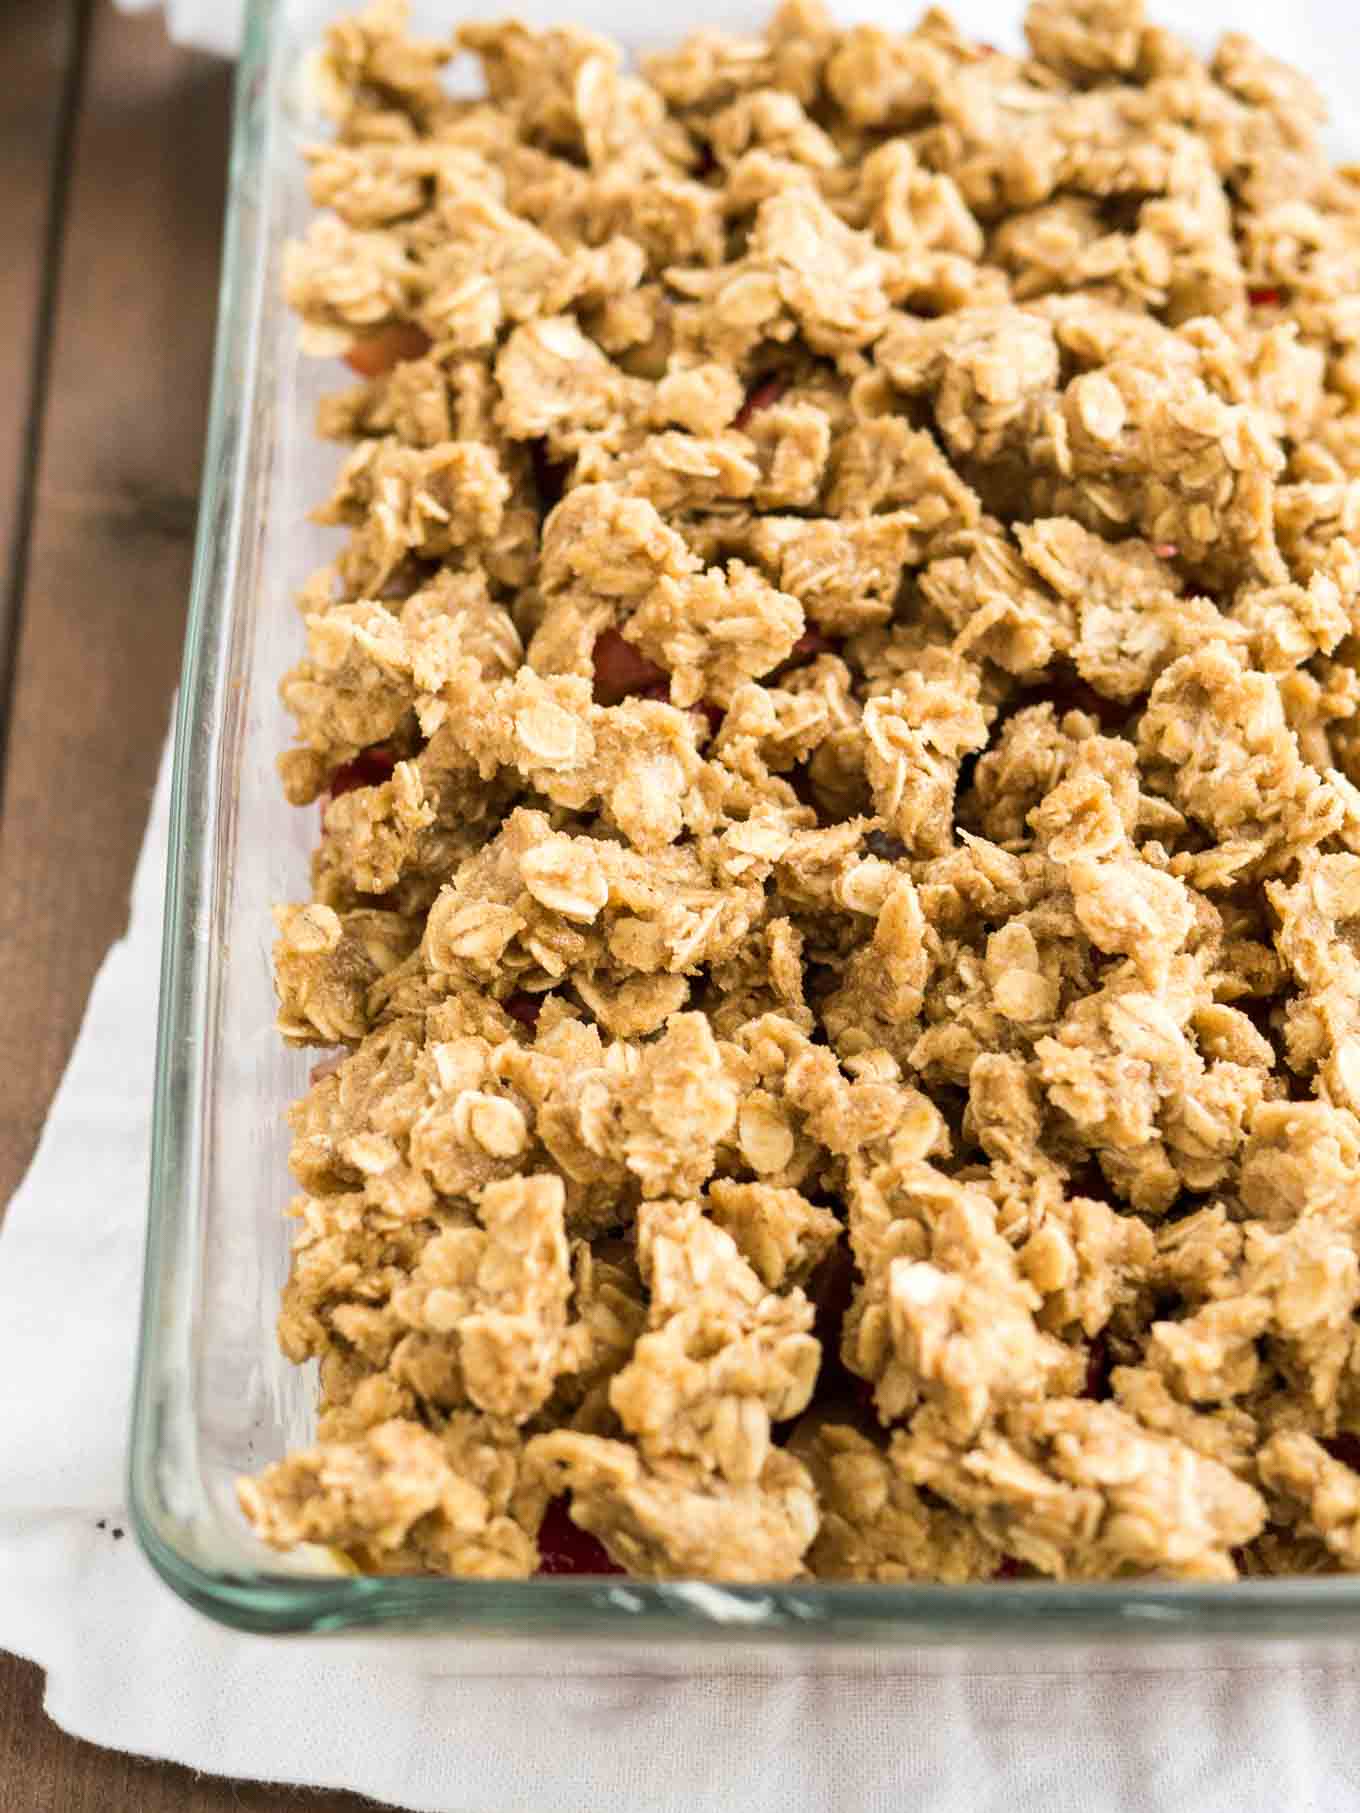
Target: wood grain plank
{"type": "Point", "coordinates": [110, 543]}
{"type": "Point", "coordinates": [40, 65]}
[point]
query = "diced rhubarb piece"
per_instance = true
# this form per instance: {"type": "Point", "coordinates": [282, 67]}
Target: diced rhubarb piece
{"type": "Point", "coordinates": [564, 1548]}
{"type": "Point", "coordinates": [377, 353]}
{"type": "Point", "coordinates": [370, 768]}
{"type": "Point", "coordinates": [758, 397]}
{"type": "Point", "coordinates": [620, 671]}
{"type": "Point", "coordinates": [1263, 298]}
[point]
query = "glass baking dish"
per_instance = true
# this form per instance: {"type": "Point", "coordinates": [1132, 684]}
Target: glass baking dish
{"type": "Point", "coordinates": [215, 1398]}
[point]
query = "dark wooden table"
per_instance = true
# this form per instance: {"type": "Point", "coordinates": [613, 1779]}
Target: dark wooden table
{"type": "Point", "coordinates": [112, 167]}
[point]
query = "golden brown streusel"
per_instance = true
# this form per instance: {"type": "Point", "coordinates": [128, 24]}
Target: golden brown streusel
{"type": "Point", "coordinates": [838, 729]}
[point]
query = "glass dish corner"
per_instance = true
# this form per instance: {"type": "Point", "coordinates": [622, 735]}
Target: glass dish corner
{"type": "Point", "coordinates": [213, 1396]}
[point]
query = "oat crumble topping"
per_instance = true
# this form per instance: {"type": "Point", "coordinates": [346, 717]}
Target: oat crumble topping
{"type": "Point", "coordinates": [837, 724]}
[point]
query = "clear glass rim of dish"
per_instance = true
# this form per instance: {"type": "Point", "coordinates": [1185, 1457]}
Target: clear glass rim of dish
{"type": "Point", "coordinates": [188, 1542]}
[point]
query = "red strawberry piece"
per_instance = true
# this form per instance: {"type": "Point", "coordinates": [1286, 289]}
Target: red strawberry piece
{"type": "Point", "coordinates": [758, 397]}
{"type": "Point", "coordinates": [378, 352]}
{"type": "Point", "coordinates": [565, 1548]}
{"type": "Point", "coordinates": [1263, 298]}
{"type": "Point", "coordinates": [620, 670]}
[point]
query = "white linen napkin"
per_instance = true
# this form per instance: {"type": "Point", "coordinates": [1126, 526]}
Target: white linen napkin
{"type": "Point", "coordinates": [205, 24]}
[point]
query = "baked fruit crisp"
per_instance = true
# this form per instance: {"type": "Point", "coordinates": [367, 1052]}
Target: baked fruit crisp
{"type": "Point", "coordinates": [839, 889]}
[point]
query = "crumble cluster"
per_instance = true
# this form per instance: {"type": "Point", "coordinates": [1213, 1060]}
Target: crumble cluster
{"type": "Point", "coordinates": [838, 724]}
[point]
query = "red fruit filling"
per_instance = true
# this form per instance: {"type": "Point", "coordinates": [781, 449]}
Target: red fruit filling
{"type": "Point", "coordinates": [811, 644]}
{"type": "Point", "coordinates": [1263, 298]}
{"type": "Point", "coordinates": [1098, 1370]}
{"type": "Point", "coordinates": [620, 671]}
{"type": "Point", "coordinates": [379, 352]}
{"type": "Point", "coordinates": [563, 1548]}
{"type": "Point", "coordinates": [758, 397]}
{"type": "Point", "coordinates": [830, 1288]}
{"type": "Point", "coordinates": [550, 476]}
{"type": "Point", "coordinates": [1071, 693]}
{"type": "Point", "coordinates": [1345, 1448]}
{"type": "Point", "coordinates": [864, 1397]}
{"type": "Point", "coordinates": [370, 768]}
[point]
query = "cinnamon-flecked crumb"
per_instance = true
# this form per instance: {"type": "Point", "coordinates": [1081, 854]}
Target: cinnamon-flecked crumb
{"type": "Point", "coordinates": [836, 922]}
